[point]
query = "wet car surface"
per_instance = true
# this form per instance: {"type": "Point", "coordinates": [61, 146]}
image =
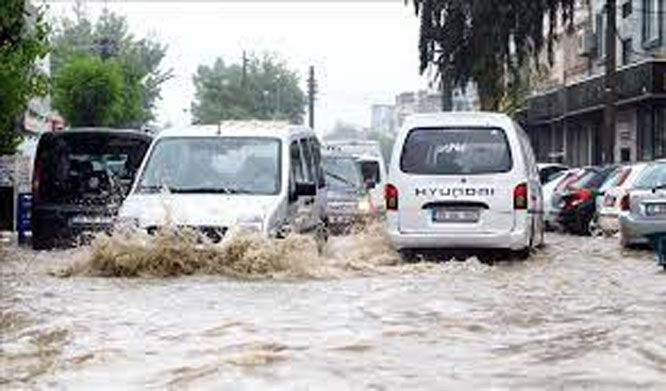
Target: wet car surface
{"type": "Point", "coordinates": [580, 313]}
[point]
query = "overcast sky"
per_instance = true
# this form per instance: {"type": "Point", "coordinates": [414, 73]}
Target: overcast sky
{"type": "Point", "coordinates": [363, 52]}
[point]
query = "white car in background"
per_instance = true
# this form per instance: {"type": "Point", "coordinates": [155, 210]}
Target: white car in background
{"type": "Point", "coordinates": [259, 176]}
{"type": "Point", "coordinates": [614, 201]}
{"type": "Point", "coordinates": [373, 166]}
{"type": "Point", "coordinates": [463, 180]}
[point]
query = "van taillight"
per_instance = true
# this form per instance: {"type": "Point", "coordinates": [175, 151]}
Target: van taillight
{"type": "Point", "coordinates": [391, 197]}
{"type": "Point", "coordinates": [625, 203]}
{"type": "Point", "coordinates": [37, 177]}
{"type": "Point", "coordinates": [520, 197]}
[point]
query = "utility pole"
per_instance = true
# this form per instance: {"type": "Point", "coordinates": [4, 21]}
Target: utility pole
{"type": "Point", "coordinates": [608, 136]}
{"type": "Point", "coordinates": [312, 91]}
{"type": "Point", "coordinates": [244, 67]}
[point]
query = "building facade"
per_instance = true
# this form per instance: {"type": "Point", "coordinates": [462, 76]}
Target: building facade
{"type": "Point", "coordinates": [565, 119]}
{"type": "Point", "coordinates": [382, 117]}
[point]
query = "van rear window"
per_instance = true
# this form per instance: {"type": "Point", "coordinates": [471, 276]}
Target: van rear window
{"type": "Point", "coordinates": [455, 151]}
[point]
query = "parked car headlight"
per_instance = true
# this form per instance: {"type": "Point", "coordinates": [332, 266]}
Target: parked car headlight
{"type": "Point", "coordinates": [253, 223]}
{"type": "Point", "coordinates": [364, 205]}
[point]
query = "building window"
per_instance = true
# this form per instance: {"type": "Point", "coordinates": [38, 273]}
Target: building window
{"type": "Point", "coordinates": [627, 49]}
{"type": "Point", "coordinates": [600, 28]}
{"type": "Point", "coordinates": [627, 9]}
{"type": "Point", "coordinates": [652, 11]}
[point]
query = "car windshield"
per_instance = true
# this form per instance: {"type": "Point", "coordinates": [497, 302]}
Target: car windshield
{"type": "Point", "coordinates": [229, 165]}
{"type": "Point", "coordinates": [454, 151]}
{"type": "Point", "coordinates": [591, 179]}
{"type": "Point", "coordinates": [342, 173]}
{"type": "Point", "coordinates": [652, 177]}
{"type": "Point", "coordinates": [615, 179]}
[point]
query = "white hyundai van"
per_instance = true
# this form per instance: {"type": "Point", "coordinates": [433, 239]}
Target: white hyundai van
{"type": "Point", "coordinates": [463, 180]}
{"type": "Point", "coordinates": [253, 175]}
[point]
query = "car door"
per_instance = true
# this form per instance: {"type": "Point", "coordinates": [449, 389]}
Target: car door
{"type": "Point", "coordinates": [298, 210]}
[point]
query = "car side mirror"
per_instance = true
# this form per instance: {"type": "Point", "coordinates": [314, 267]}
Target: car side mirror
{"type": "Point", "coordinates": [306, 190]}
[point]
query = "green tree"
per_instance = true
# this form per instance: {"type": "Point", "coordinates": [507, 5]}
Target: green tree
{"type": "Point", "coordinates": [88, 91]}
{"type": "Point", "coordinates": [109, 38]}
{"type": "Point", "coordinates": [263, 88]}
{"type": "Point", "coordinates": [487, 41]}
{"type": "Point", "coordinates": [23, 40]}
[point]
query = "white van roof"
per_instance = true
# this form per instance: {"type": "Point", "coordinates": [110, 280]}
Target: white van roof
{"type": "Point", "coordinates": [250, 128]}
{"type": "Point", "coordinates": [458, 118]}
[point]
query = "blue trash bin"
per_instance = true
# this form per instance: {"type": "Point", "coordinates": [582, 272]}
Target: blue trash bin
{"type": "Point", "coordinates": [23, 216]}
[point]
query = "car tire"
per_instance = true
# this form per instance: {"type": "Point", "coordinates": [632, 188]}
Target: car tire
{"type": "Point", "coordinates": [521, 254]}
{"type": "Point", "coordinates": [407, 255]}
{"type": "Point", "coordinates": [593, 228]}
{"type": "Point", "coordinates": [40, 240]}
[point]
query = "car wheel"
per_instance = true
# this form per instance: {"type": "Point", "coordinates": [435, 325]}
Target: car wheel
{"type": "Point", "coordinates": [521, 254]}
{"type": "Point", "coordinates": [407, 255]}
{"type": "Point", "coordinates": [593, 228]}
{"type": "Point", "coordinates": [40, 240]}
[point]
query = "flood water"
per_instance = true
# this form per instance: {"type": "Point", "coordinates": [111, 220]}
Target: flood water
{"type": "Point", "coordinates": [581, 313]}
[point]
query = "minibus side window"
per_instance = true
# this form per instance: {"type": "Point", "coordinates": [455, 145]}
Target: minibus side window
{"type": "Point", "coordinates": [310, 174]}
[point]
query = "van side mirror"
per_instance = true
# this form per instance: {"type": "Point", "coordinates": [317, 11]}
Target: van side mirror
{"type": "Point", "coordinates": [306, 190]}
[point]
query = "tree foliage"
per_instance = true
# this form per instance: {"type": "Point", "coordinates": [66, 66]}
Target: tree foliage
{"type": "Point", "coordinates": [88, 91]}
{"type": "Point", "coordinates": [263, 88]}
{"type": "Point", "coordinates": [487, 41]}
{"type": "Point", "coordinates": [23, 40]}
{"type": "Point", "coordinates": [109, 38]}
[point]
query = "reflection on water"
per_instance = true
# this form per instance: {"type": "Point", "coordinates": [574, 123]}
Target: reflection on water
{"type": "Point", "coordinates": [581, 313]}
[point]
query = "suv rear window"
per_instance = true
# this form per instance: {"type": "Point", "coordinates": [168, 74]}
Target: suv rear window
{"type": "Point", "coordinates": [81, 165]}
{"type": "Point", "coordinates": [454, 151]}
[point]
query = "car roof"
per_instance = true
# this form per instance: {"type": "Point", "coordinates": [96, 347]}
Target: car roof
{"type": "Point", "coordinates": [458, 118]}
{"type": "Point", "coordinates": [91, 130]}
{"type": "Point", "coordinates": [251, 128]}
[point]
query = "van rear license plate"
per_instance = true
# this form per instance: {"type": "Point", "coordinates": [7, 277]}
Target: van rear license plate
{"type": "Point", "coordinates": [454, 216]}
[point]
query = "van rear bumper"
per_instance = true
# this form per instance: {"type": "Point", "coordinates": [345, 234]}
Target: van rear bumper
{"type": "Point", "coordinates": [513, 240]}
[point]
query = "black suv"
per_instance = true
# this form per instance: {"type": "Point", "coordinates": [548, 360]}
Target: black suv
{"type": "Point", "coordinates": [80, 178]}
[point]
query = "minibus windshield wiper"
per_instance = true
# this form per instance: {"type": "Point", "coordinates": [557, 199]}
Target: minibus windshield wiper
{"type": "Point", "coordinates": [341, 179]}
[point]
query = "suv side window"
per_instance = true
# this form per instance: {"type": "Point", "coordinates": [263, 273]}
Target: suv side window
{"type": "Point", "coordinates": [310, 173]}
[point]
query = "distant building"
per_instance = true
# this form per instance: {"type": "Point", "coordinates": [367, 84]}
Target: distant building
{"type": "Point", "coordinates": [382, 118]}
{"type": "Point", "coordinates": [408, 103]}
{"type": "Point", "coordinates": [564, 117]}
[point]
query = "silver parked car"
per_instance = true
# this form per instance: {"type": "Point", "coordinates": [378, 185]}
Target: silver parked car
{"type": "Point", "coordinates": [643, 209]}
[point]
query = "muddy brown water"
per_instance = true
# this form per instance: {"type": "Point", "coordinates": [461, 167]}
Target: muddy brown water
{"type": "Point", "coordinates": [582, 313]}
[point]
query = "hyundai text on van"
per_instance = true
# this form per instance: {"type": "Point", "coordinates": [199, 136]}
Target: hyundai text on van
{"type": "Point", "coordinates": [463, 181]}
